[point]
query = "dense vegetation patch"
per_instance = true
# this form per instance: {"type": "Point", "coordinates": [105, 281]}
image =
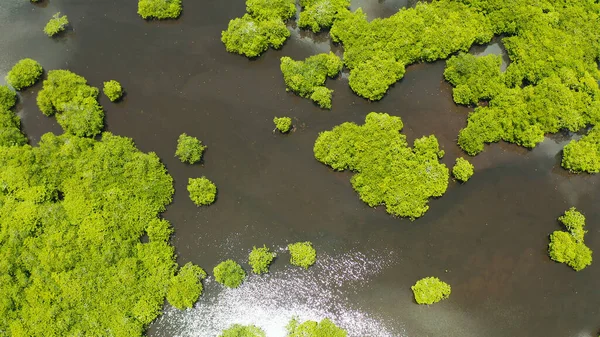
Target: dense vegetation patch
{"type": "Point", "coordinates": [262, 27]}
{"type": "Point", "coordinates": [324, 328]}
{"type": "Point", "coordinates": [569, 247]}
{"type": "Point", "coordinates": [319, 14]}
{"type": "Point", "coordinates": [238, 330]}
{"type": "Point", "coordinates": [550, 84]}
{"type": "Point", "coordinates": [376, 52]}
{"type": "Point", "coordinates": [260, 259]}
{"type": "Point", "coordinates": [387, 170]}
{"type": "Point", "coordinates": [202, 191]}
{"type": "Point", "coordinates": [10, 123]}
{"type": "Point", "coordinates": [75, 103]}
{"type": "Point", "coordinates": [72, 213]}
{"type": "Point", "coordinates": [430, 290]}
{"type": "Point", "coordinates": [189, 149]}
{"type": "Point", "coordinates": [307, 78]}
{"type": "Point", "coordinates": [302, 254]}
{"type": "Point", "coordinates": [24, 74]}
{"type": "Point", "coordinates": [159, 9]}
{"type": "Point", "coordinates": [56, 25]}
{"type": "Point", "coordinates": [186, 287]}
{"type": "Point", "coordinates": [113, 90]}
{"type": "Point", "coordinates": [462, 170]}
{"type": "Point", "coordinates": [583, 155]}
{"type": "Point", "coordinates": [229, 273]}
{"type": "Point", "coordinates": [283, 124]}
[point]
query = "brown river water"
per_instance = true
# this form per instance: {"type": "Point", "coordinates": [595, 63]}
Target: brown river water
{"type": "Point", "coordinates": [487, 238]}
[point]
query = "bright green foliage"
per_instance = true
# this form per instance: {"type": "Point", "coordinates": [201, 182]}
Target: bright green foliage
{"type": "Point", "coordinates": [202, 191]}
{"type": "Point", "coordinates": [372, 78]}
{"type": "Point", "coordinates": [319, 14]}
{"type": "Point", "coordinates": [387, 170]}
{"type": "Point", "coordinates": [302, 254]}
{"type": "Point", "coordinates": [260, 259]}
{"type": "Point", "coordinates": [251, 37]}
{"type": "Point", "coordinates": [186, 287]}
{"type": "Point", "coordinates": [262, 27]}
{"type": "Point", "coordinates": [270, 9]}
{"type": "Point", "coordinates": [113, 90]}
{"type": "Point", "coordinates": [75, 103]}
{"type": "Point", "coordinates": [430, 290]}
{"type": "Point", "coordinates": [550, 85]}
{"type": "Point", "coordinates": [238, 330]}
{"type": "Point", "coordinates": [462, 170]}
{"type": "Point", "coordinates": [24, 74]}
{"type": "Point", "coordinates": [189, 149]}
{"type": "Point", "coordinates": [8, 98]}
{"type": "Point", "coordinates": [159, 9]}
{"type": "Point", "coordinates": [583, 155]}
{"type": "Point", "coordinates": [229, 274]}
{"type": "Point", "coordinates": [283, 124]}
{"type": "Point", "coordinates": [428, 32]}
{"type": "Point", "coordinates": [72, 214]}
{"type": "Point", "coordinates": [322, 96]}
{"type": "Point", "coordinates": [474, 78]}
{"type": "Point", "coordinates": [569, 247]}
{"type": "Point", "coordinates": [10, 124]}
{"type": "Point", "coordinates": [325, 328]}
{"type": "Point", "coordinates": [56, 25]}
{"type": "Point", "coordinates": [306, 78]}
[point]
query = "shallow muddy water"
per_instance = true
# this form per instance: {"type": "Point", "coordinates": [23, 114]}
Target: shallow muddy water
{"type": "Point", "coordinates": [487, 238]}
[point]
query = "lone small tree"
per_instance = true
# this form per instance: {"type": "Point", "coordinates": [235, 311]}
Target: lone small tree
{"type": "Point", "coordinates": [24, 74]}
{"type": "Point", "coordinates": [56, 25]}
{"type": "Point", "coordinates": [302, 254]}
{"type": "Point", "coordinates": [430, 290]}
{"type": "Point", "coordinates": [462, 170]}
{"type": "Point", "coordinates": [229, 273]}
{"type": "Point", "coordinates": [283, 124]}
{"type": "Point", "coordinates": [189, 149]}
{"type": "Point", "coordinates": [260, 259]}
{"type": "Point", "coordinates": [113, 90]}
{"type": "Point", "coordinates": [202, 191]}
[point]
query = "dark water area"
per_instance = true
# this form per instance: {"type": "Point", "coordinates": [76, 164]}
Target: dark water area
{"type": "Point", "coordinates": [487, 238]}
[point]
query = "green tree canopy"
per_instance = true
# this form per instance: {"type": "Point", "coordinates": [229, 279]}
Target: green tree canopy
{"type": "Point", "coordinates": [260, 259]}
{"type": "Point", "coordinates": [463, 170]}
{"type": "Point", "coordinates": [113, 90]}
{"type": "Point", "coordinates": [24, 74]}
{"type": "Point", "coordinates": [319, 14]}
{"type": "Point", "coordinates": [202, 191]}
{"type": "Point", "coordinates": [238, 330]}
{"type": "Point", "coordinates": [229, 273]}
{"type": "Point", "coordinates": [430, 290]}
{"type": "Point", "coordinates": [324, 328]}
{"type": "Point", "coordinates": [302, 254]}
{"type": "Point", "coordinates": [159, 9]}
{"type": "Point", "coordinates": [189, 149]}
{"type": "Point", "coordinates": [569, 247]}
{"type": "Point", "coordinates": [387, 170]}
{"type": "Point", "coordinates": [56, 25]}
{"type": "Point", "coordinates": [186, 287]}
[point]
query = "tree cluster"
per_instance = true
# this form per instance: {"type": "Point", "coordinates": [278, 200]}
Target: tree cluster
{"type": "Point", "coordinates": [324, 328]}
{"type": "Point", "coordinates": [10, 123]}
{"type": "Point", "coordinates": [583, 155]}
{"type": "Point", "coordinates": [387, 170]}
{"type": "Point", "coordinates": [319, 14]}
{"type": "Point", "coordinates": [159, 9]}
{"type": "Point", "coordinates": [376, 52]}
{"type": "Point", "coordinates": [569, 247]}
{"type": "Point", "coordinates": [302, 254]}
{"type": "Point", "coordinates": [73, 211]}
{"type": "Point", "coordinates": [307, 78]}
{"type": "Point", "coordinates": [24, 74]}
{"type": "Point", "coordinates": [263, 26]}
{"type": "Point", "coordinates": [430, 290]}
{"type": "Point", "coordinates": [74, 102]}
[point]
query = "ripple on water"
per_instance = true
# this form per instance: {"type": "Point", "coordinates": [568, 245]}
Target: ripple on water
{"type": "Point", "coordinates": [270, 301]}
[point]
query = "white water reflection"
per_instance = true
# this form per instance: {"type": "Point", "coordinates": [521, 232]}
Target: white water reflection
{"type": "Point", "coordinates": [270, 301]}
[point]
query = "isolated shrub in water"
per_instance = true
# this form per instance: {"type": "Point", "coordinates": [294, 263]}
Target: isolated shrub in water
{"type": "Point", "coordinates": [302, 254]}
{"type": "Point", "coordinates": [202, 191]}
{"type": "Point", "coordinates": [186, 287]}
{"type": "Point", "coordinates": [229, 274]}
{"type": "Point", "coordinates": [24, 74]}
{"type": "Point", "coordinates": [250, 37]}
{"type": "Point", "coordinates": [430, 290]}
{"type": "Point", "coordinates": [283, 124]}
{"type": "Point", "coordinates": [322, 96]}
{"type": "Point", "coordinates": [56, 25]}
{"type": "Point", "coordinates": [8, 98]}
{"type": "Point", "coordinates": [462, 170]}
{"type": "Point", "coordinates": [159, 9]}
{"type": "Point", "coordinates": [189, 149]}
{"type": "Point", "coordinates": [237, 330]}
{"type": "Point", "coordinates": [113, 90]}
{"type": "Point", "coordinates": [569, 247]}
{"type": "Point", "coordinates": [319, 14]}
{"type": "Point", "coordinates": [260, 259]}
{"type": "Point", "coordinates": [387, 170]}
{"type": "Point", "coordinates": [583, 155]}
{"type": "Point", "coordinates": [325, 328]}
